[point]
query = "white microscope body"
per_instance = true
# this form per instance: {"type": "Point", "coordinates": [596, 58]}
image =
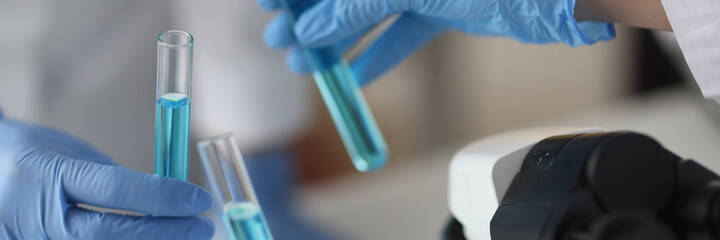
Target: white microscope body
{"type": "Point", "coordinates": [481, 173]}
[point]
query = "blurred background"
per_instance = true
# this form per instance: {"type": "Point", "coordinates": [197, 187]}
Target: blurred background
{"type": "Point", "coordinates": [461, 88]}
{"type": "Point", "coordinates": [88, 67]}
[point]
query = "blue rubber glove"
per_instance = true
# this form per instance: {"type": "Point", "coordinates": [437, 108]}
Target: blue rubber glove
{"type": "Point", "coordinates": [343, 22]}
{"type": "Point", "coordinates": [44, 173]}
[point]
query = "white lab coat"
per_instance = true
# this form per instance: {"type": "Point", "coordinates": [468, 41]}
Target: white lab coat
{"type": "Point", "coordinates": [88, 68]}
{"type": "Point", "coordinates": [697, 30]}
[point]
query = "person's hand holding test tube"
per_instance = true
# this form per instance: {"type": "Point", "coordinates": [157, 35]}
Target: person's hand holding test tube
{"type": "Point", "coordinates": [344, 22]}
{"type": "Point", "coordinates": [45, 174]}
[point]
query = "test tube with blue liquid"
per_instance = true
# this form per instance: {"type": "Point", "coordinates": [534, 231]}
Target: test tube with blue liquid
{"type": "Point", "coordinates": [343, 97]}
{"type": "Point", "coordinates": [172, 105]}
{"type": "Point", "coordinates": [225, 168]}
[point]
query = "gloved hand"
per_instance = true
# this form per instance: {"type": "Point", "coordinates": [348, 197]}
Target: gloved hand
{"type": "Point", "coordinates": [44, 173]}
{"type": "Point", "coordinates": [343, 22]}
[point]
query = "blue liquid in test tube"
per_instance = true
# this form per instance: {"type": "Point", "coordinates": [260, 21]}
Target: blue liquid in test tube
{"type": "Point", "coordinates": [172, 106]}
{"type": "Point", "coordinates": [344, 100]}
{"type": "Point", "coordinates": [172, 128]}
{"type": "Point", "coordinates": [245, 222]}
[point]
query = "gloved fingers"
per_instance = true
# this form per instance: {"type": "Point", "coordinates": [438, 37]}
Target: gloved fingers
{"type": "Point", "coordinates": [52, 139]}
{"type": "Point", "coordinates": [85, 224]}
{"type": "Point", "coordinates": [408, 34]}
{"type": "Point", "coordinates": [121, 188]}
{"type": "Point", "coordinates": [295, 59]}
{"type": "Point", "coordinates": [73, 147]}
{"type": "Point", "coordinates": [270, 5]}
{"type": "Point", "coordinates": [329, 21]}
{"type": "Point", "coordinates": [93, 156]}
{"type": "Point", "coordinates": [279, 33]}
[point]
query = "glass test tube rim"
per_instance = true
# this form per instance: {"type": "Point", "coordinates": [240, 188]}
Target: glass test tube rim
{"type": "Point", "coordinates": [239, 167]}
{"type": "Point", "coordinates": [181, 32]}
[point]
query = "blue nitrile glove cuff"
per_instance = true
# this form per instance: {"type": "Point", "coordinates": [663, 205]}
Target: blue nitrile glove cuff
{"type": "Point", "coordinates": [585, 32]}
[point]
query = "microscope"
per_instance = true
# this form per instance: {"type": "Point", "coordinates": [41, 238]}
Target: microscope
{"type": "Point", "coordinates": [579, 184]}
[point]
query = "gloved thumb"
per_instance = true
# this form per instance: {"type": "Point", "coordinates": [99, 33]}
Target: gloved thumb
{"type": "Point", "coordinates": [121, 188]}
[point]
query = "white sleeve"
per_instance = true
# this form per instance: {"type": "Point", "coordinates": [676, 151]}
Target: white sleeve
{"type": "Point", "coordinates": [697, 28]}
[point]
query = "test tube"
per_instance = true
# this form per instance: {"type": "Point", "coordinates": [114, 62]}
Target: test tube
{"type": "Point", "coordinates": [344, 100]}
{"type": "Point", "coordinates": [172, 105]}
{"type": "Point", "coordinates": [225, 168]}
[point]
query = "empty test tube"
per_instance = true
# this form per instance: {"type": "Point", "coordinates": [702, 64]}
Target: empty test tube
{"type": "Point", "coordinates": [344, 100]}
{"type": "Point", "coordinates": [225, 168]}
{"type": "Point", "coordinates": [172, 104]}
